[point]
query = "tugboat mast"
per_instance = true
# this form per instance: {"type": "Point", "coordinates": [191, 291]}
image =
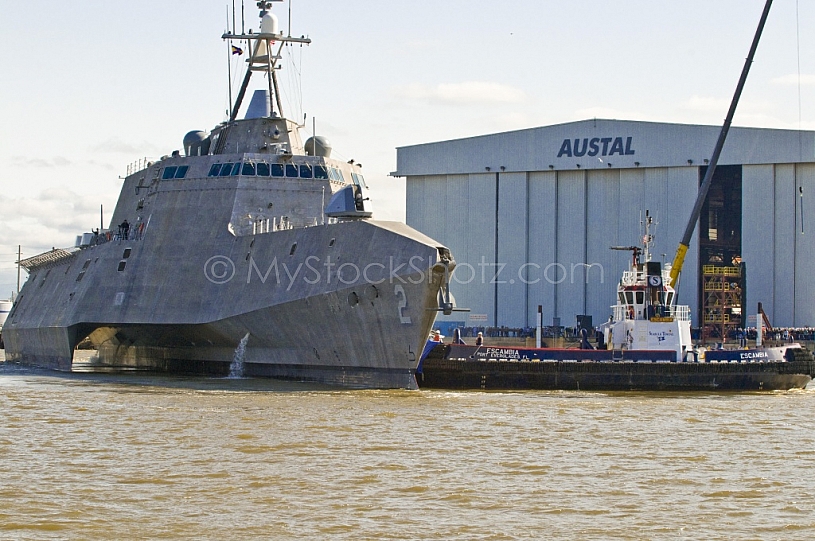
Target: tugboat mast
{"type": "Point", "coordinates": [261, 56]}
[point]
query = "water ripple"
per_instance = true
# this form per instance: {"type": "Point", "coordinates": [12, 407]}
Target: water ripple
{"type": "Point", "coordinates": [94, 456]}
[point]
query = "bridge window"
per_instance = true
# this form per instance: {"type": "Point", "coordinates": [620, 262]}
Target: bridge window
{"type": "Point", "coordinates": [320, 172]}
{"type": "Point", "coordinates": [291, 170]}
{"type": "Point", "coordinates": [263, 169]}
{"type": "Point", "coordinates": [226, 169]}
{"type": "Point", "coordinates": [640, 297]}
{"type": "Point", "coordinates": [248, 169]}
{"type": "Point", "coordinates": [305, 171]}
{"type": "Point", "coordinates": [169, 172]}
{"type": "Point", "coordinates": [277, 169]}
{"type": "Point", "coordinates": [176, 172]}
{"type": "Point", "coordinates": [214, 170]}
{"type": "Point", "coordinates": [236, 170]}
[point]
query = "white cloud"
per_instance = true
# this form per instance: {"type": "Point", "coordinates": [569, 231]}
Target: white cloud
{"type": "Point", "coordinates": [58, 210]}
{"type": "Point", "coordinates": [51, 218]}
{"type": "Point", "coordinates": [746, 108]}
{"type": "Point", "coordinates": [467, 93]}
{"type": "Point", "coordinates": [607, 113]}
{"type": "Point", "coordinates": [117, 146]}
{"type": "Point", "coordinates": [792, 80]}
{"type": "Point", "coordinates": [707, 104]}
{"type": "Point", "coordinates": [26, 161]}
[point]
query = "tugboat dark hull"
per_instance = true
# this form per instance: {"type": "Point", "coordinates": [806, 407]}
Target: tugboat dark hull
{"type": "Point", "coordinates": [439, 371]}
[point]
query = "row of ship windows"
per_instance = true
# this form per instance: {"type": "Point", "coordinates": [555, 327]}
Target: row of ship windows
{"type": "Point", "coordinates": [280, 170]}
{"type": "Point", "coordinates": [261, 169]}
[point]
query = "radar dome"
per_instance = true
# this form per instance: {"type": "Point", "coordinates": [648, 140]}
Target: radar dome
{"type": "Point", "coordinates": [318, 146]}
{"type": "Point", "coordinates": [268, 24]}
{"type": "Point", "coordinates": [196, 143]}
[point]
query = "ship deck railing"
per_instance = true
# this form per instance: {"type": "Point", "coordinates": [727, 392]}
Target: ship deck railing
{"type": "Point", "coordinates": [626, 312]}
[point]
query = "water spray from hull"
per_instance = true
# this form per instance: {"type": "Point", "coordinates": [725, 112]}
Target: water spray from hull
{"type": "Point", "coordinates": [236, 368]}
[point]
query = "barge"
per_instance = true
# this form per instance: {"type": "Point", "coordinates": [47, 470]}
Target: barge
{"type": "Point", "coordinates": [474, 367]}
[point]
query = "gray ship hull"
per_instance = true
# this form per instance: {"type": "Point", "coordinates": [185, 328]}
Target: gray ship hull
{"type": "Point", "coordinates": [350, 303]}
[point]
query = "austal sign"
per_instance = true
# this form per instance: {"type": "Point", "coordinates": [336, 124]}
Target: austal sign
{"type": "Point", "coordinates": [596, 146]}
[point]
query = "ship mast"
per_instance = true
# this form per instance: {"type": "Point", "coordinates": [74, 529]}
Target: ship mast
{"type": "Point", "coordinates": [262, 57]}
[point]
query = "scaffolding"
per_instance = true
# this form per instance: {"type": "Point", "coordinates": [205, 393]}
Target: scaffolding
{"type": "Point", "coordinates": [722, 299]}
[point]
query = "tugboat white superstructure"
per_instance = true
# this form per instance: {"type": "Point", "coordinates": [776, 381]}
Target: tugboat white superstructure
{"type": "Point", "coordinates": [646, 316]}
{"type": "Point", "coordinates": [252, 238]}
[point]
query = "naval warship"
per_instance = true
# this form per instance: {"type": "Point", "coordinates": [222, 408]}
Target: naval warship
{"type": "Point", "coordinates": [249, 240]}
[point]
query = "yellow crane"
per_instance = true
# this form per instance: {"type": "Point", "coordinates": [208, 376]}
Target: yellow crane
{"type": "Point", "coordinates": [682, 250]}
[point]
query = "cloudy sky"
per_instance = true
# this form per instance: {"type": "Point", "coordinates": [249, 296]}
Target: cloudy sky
{"type": "Point", "coordinates": [90, 86]}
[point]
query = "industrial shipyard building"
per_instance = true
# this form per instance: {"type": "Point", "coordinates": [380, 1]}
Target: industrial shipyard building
{"type": "Point", "coordinates": [531, 215]}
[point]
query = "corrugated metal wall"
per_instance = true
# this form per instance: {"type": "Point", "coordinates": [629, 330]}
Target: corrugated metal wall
{"type": "Point", "coordinates": [784, 242]}
{"type": "Point", "coordinates": [778, 254]}
{"type": "Point", "coordinates": [604, 219]}
{"type": "Point", "coordinates": [541, 244]}
{"type": "Point", "coordinates": [805, 248]}
{"type": "Point", "coordinates": [571, 246]}
{"type": "Point", "coordinates": [512, 248]}
{"type": "Point", "coordinates": [758, 235]}
{"type": "Point", "coordinates": [552, 224]}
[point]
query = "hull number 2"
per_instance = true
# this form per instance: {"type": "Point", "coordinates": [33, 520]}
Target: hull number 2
{"type": "Point", "coordinates": [399, 291]}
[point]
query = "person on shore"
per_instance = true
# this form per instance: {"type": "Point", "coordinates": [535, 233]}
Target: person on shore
{"type": "Point", "coordinates": [479, 340]}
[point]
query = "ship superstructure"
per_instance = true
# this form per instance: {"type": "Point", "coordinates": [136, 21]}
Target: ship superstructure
{"type": "Point", "coordinates": [249, 237]}
{"type": "Point", "coordinates": [646, 316]}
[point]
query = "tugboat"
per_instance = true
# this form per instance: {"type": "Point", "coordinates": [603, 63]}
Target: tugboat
{"type": "Point", "coordinates": [248, 239]}
{"type": "Point", "coordinates": [648, 346]}
{"type": "Point", "coordinates": [646, 315]}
